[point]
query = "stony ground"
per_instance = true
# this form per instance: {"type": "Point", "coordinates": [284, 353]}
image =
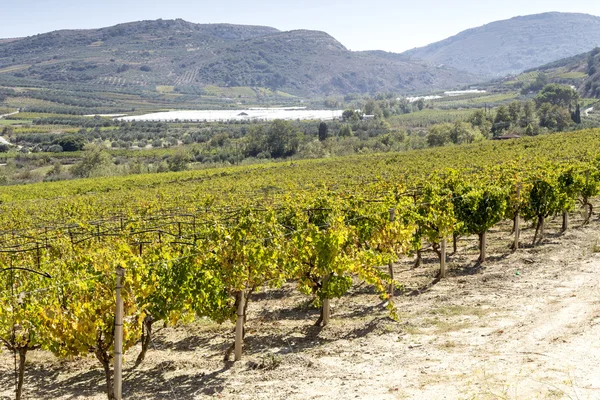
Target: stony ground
{"type": "Point", "coordinates": [525, 325]}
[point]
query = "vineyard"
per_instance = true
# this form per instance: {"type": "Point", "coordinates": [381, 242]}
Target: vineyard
{"type": "Point", "coordinates": [203, 245]}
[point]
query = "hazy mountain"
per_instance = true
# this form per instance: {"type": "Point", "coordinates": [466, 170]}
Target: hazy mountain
{"type": "Point", "coordinates": [512, 46]}
{"type": "Point", "coordinates": [190, 56]}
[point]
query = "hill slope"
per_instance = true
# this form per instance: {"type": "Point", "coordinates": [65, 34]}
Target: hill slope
{"type": "Point", "coordinates": [581, 71]}
{"type": "Point", "coordinates": [512, 46]}
{"type": "Point", "coordinates": [190, 56]}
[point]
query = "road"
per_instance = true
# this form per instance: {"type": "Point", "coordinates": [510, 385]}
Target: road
{"type": "Point", "coordinates": [3, 140]}
{"type": "Point", "coordinates": [8, 115]}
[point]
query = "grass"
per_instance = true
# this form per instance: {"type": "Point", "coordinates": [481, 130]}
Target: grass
{"type": "Point", "coordinates": [45, 129]}
{"type": "Point", "coordinates": [4, 111]}
{"type": "Point", "coordinates": [165, 89]}
{"type": "Point", "coordinates": [573, 75]}
{"type": "Point", "coordinates": [587, 102]}
{"type": "Point", "coordinates": [428, 117]}
{"type": "Point", "coordinates": [284, 94]}
{"type": "Point", "coordinates": [243, 92]}
{"type": "Point", "coordinates": [35, 115]}
{"type": "Point", "coordinates": [476, 100]}
{"type": "Point", "coordinates": [15, 122]}
{"type": "Point", "coordinates": [239, 91]}
{"type": "Point", "coordinates": [495, 98]}
{"type": "Point", "coordinates": [28, 102]}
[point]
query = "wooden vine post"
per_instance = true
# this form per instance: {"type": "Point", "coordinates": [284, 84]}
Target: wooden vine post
{"type": "Point", "coordinates": [326, 306]}
{"type": "Point", "coordinates": [483, 245]}
{"type": "Point", "coordinates": [517, 221]}
{"type": "Point", "coordinates": [326, 312]}
{"type": "Point", "coordinates": [443, 258]}
{"type": "Point", "coordinates": [118, 350]}
{"type": "Point", "coordinates": [239, 326]}
{"type": "Point", "coordinates": [588, 208]}
{"type": "Point", "coordinates": [391, 264]}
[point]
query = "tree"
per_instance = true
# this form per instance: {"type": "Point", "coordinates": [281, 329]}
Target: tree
{"type": "Point", "coordinates": [554, 117]}
{"type": "Point", "coordinates": [81, 320]}
{"type": "Point", "coordinates": [557, 95]}
{"type": "Point", "coordinates": [350, 115]}
{"type": "Point", "coordinates": [478, 209]}
{"type": "Point", "coordinates": [514, 110]}
{"type": "Point", "coordinates": [179, 161]}
{"type": "Point", "coordinates": [576, 115]}
{"type": "Point", "coordinates": [372, 108]}
{"type": "Point", "coordinates": [95, 162]}
{"type": "Point", "coordinates": [439, 135]}
{"type": "Point", "coordinates": [245, 252]}
{"type": "Point", "coordinates": [541, 80]}
{"type": "Point", "coordinates": [346, 131]}
{"type": "Point", "coordinates": [589, 187]}
{"type": "Point", "coordinates": [56, 170]}
{"type": "Point", "coordinates": [542, 201]}
{"type": "Point", "coordinates": [318, 251]}
{"type": "Point", "coordinates": [528, 115]}
{"type": "Point", "coordinates": [480, 120]}
{"type": "Point", "coordinates": [70, 142]}
{"type": "Point", "coordinates": [502, 120]}
{"type": "Point", "coordinates": [283, 139]}
{"type": "Point", "coordinates": [179, 287]}
{"type": "Point", "coordinates": [382, 234]}
{"type": "Point", "coordinates": [323, 131]}
{"type": "Point", "coordinates": [22, 327]}
{"type": "Point", "coordinates": [463, 133]}
{"type": "Point", "coordinates": [569, 185]}
{"type": "Point", "coordinates": [434, 216]}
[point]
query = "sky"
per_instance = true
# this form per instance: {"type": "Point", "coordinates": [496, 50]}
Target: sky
{"type": "Point", "coordinates": [359, 25]}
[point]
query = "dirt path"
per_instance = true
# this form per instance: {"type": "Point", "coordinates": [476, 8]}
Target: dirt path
{"type": "Point", "coordinates": [8, 115]}
{"type": "Point", "coordinates": [524, 326]}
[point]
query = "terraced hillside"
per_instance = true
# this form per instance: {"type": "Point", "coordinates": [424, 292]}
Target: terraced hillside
{"type": "Point", "coordinates": [180, 56]}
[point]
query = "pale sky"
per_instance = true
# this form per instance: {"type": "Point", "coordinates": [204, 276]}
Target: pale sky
{"type": "Point", "coordinates": [391, 25]}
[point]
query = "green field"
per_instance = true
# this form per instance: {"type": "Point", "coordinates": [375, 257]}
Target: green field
{"type": "Point", "coordinates": [427, 117]}
{"type": "Point", "coordinates": [572, 75]}
{"type": "Point", "coordinates": [15, 121]}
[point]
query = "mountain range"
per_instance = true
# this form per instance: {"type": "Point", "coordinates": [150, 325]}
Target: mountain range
{"type": "Point", "coordinates": [184, 57]}
{"type": "Point", "coordinates": [512, 46]}
{"type": "Point", "coordinates": [187, 56]}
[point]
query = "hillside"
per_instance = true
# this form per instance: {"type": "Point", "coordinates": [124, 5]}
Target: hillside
{"type": "Point", "coordinates": [581, 71]}
{"type": "Point", "coordinates": [187, 57]}
{"type": "Point", "coordinates": [512, 46]}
